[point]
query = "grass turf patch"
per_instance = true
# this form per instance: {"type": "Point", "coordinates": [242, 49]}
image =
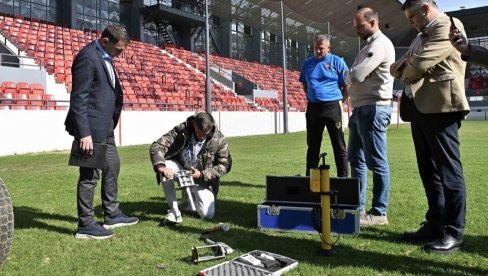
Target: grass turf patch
{"type": "Point", "coordinates": [43, 190]}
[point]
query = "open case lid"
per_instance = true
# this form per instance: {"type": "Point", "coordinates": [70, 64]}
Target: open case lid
{"type": "Point", "coordinates": [283, 189]}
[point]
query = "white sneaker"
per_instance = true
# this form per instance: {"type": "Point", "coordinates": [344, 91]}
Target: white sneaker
{"type": "Point", "coordinates": [174, 216]}
{"type": "Point", "coordinates": [370, 218]}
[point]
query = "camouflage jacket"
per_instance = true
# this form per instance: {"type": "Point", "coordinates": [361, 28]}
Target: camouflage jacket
{"type": "Point", "coordinates": [214, 157]}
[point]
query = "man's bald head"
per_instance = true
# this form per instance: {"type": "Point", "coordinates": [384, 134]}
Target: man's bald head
{"type": "Point", "coordinates": [366, 22]}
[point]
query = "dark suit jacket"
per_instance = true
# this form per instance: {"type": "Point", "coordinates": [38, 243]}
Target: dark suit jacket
{"type": "Point", "coordinates": [478, 55]}
{"type": "Point", "coordinates": [94, 102]}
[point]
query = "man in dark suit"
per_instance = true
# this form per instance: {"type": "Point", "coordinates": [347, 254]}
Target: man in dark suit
{"type": "Point", "coordinates": [433, 74]}
{"type": "Point", "coordinates": [95, 107]}
{"type": "Point", "coordinates": [471, 53]}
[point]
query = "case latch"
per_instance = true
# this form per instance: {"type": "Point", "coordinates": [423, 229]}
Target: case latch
{"type": "Point", "coordinates": [337, 214]}
{"type": "Point", "coordinates": [273, 210]}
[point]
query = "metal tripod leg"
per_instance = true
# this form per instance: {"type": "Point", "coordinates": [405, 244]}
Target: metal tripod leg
{"type": "Point", "coordinates": [185, 182]}
{"type": "Point", "coordinates": [190, 199]}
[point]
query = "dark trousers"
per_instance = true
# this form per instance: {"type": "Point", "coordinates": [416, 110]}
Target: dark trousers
{"type": "Point", "coordinates": [435, 137]}
{"type": "Point", "coordinates": [319, 116]}
{"type": "Point", "coordinates": [88, 181]}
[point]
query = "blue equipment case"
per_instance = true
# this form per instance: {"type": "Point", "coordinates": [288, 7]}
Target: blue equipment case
{"type": "Point", "coordinates": [298, 218]}
{"type": "Point", "coordinates": [290, 206]}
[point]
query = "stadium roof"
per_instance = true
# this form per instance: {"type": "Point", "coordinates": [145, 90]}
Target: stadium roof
{"type": "Point", "coordinates": [305, 19]}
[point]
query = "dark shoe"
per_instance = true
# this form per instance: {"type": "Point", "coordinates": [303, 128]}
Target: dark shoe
{"type": "Point", "coordinates": [448, 244]}
{"type": "Point", "coordinates": [426, 233]}
{"type": "Point", "coordinates": [93, 231]}
{"type": "Point", "coordinates": [119, 221]}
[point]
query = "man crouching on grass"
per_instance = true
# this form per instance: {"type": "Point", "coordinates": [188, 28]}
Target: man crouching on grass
{"type": "Point", "coordinates": [198, 146]}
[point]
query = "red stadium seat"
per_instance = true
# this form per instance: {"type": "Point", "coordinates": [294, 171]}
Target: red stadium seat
{"type": "Point", "coordinates": [6, 99]}
{"type": "Point", "coordinates": [20, 99]}
{"type": "Point", "coordinates": [37, 88]}
{"type": "Point", "coordinates": [60, 74]}
{"type": "Point", "coordinates": [9, 87]}
{"type": "Point", "coordinates": [23, 88]}
{"type": "Point", "coordinates": [35, 99]}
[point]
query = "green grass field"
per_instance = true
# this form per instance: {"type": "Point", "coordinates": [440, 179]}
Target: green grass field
{"type": "Point", "coordinates": [43, 190]}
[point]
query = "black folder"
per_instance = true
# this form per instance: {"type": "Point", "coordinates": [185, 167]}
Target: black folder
{"type": "Point", "coordinates": [81, 158]}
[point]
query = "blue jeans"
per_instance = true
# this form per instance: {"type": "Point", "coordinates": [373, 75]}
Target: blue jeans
{"type": "Point", "coordinates": [367, 150]}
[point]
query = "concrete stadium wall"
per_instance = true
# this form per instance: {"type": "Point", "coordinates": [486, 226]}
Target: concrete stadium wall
{"type": "Point", "coordinates": [30, 131]}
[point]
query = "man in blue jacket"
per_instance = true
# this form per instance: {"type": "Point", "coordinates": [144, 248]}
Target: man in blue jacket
{"type": "Point", "coordinates": [95, 107]}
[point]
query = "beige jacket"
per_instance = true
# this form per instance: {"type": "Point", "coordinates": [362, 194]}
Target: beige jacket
{"type": "Point", "coordinates": [435, 71]}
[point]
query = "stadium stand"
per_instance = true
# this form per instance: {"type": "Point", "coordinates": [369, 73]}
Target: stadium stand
{"type": "Point", "coordinates": [268, 78]}
{"type": "Point", "coordinates": [264, 77]}
{"type": "Point", "coordinates": [152, 78]}
{"type": "Point", "coordinates": [25, 96]}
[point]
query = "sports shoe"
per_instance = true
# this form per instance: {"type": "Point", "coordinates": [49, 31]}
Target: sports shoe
{"type": "Point", "coordinates": [372, 218]}
{"type": "Point", "coordinates": [93, 231]}
{"type": "Point", "coordinates": [119, 221]}
{"type": "Point", "coordinates": [173, 217]}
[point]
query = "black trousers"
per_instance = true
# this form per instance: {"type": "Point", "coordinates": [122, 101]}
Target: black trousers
{"type": "Point", "coordinates": [435, 137]}
{"type": "Point", "coordinates": [88, 181]}
{"type": "Point", "coordinates": [319, 116]}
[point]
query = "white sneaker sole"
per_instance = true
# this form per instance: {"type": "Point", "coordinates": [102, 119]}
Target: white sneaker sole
{"type": "Point", "coordinates": [369, 223]}
{"type": "Point", "coordinates": [88, 237]}
{"type": "Point", "coordinates": [172, 221]}
{"type": "Point", "coordinates": [112, 226]}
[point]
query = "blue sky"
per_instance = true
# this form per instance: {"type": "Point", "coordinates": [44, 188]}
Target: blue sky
{"type": "Point", "coordinates": [453, 5]}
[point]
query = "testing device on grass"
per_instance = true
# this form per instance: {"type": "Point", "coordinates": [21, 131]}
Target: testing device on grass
{"type": "Point", "coordinates": [184, 179]}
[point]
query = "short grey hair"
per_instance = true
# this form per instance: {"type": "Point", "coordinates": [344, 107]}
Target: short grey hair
{"type": "Point", "coordinates": [417, 4]}
{"type": "Point", "coordinates": [322, 37]}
